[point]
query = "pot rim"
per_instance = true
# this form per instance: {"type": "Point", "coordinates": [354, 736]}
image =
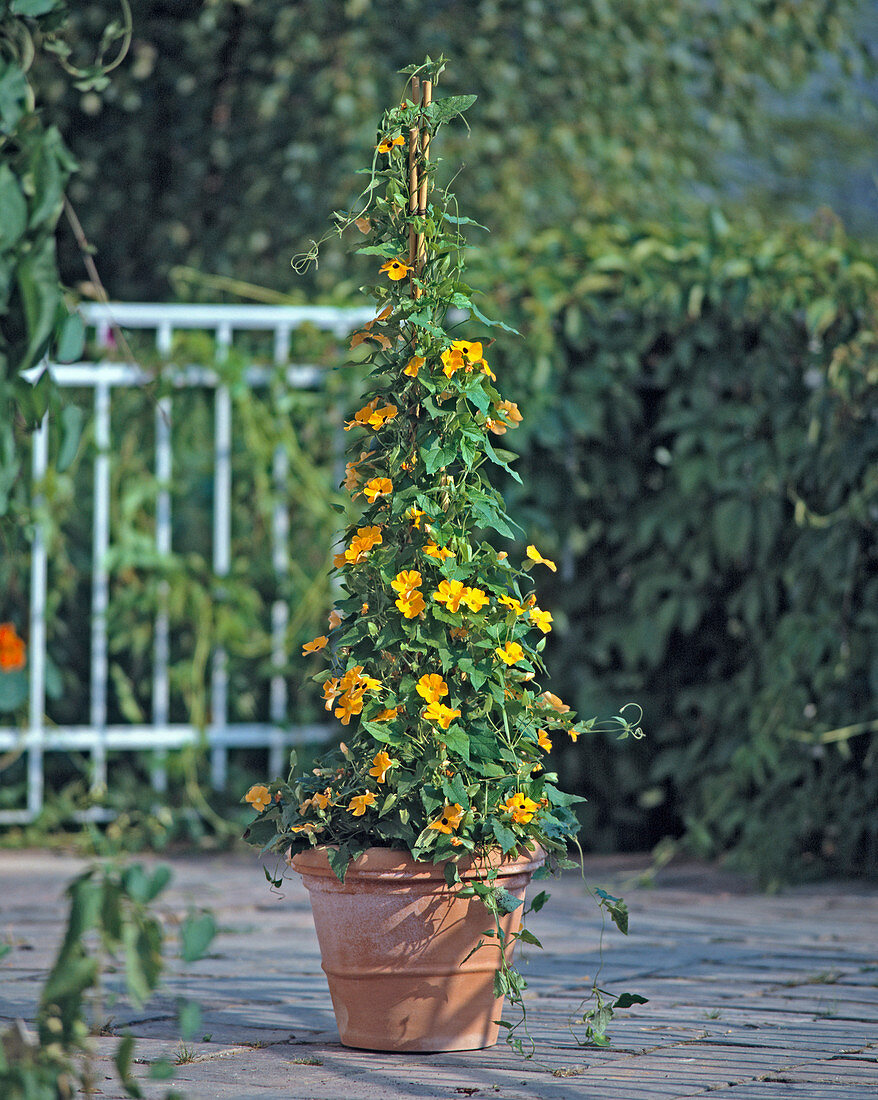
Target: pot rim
{"type": "Point", "coordinates": [397, 863]}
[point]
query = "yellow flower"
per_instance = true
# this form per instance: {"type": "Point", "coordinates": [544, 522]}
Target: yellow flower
{"type": "Point", "coordinates": [406, 581]}
{"type": "Point", "coordinates": [322, 800]}
{"type": "Point", "coordinates": [377, 487]}
{"type": "Point", "coordinates": [387, 144]}
{"type": "Point", "coordinates": [432, 687]}
{"type": "Point", "coordinates": [536, 556]}
{"type": "Point", "coordinates": [471, 351]}
{"type": "Point", "coordinates": [450, 593]}
{"type": "Point", "coordinates": [573, 734]}
{"type": "Point", "coordinates": [544, 741]}
{"type": "Point", "coordinates": [438, 712]}
{"type": "Point", "coordinates": [415, 515]}
{"type": "Point", "coordinates": [512, 603]}
{"type": "Point", "coordinates": [511, 653]}
{"type": "Point", "coordinates": [475, 599]}
{"type": "Point", "coordinates": [258, 797]}
{"type": "Point", "coordinates": [335, 619]}
{"type": "Point", "coordinates": [495, 426]}
{"type": "Point", "coordinates": [541, 619]}
{"type": "Point", "coordinates": [439, 552]}
{"type": "Point", "coordinates": [359, 803]}
{"type": "Point", "coordinates": [316, 645]}
{"type": "Point", "coordinates": [452, 361]}
{"type": "Point", "coordinates": [449, 819]}
{"type": "Point", "coordinates": [381, 765]}
{"type": "Point", "coordinates": [411, 604]}
{"type": "Point", "coordinates": [521, 807]}
{"type": "Point", "coordinates": [413, 366]}
{"type": "Point", "coordinates": [386, 715]}
{"type": "Point", "coordinates": [395, 269]}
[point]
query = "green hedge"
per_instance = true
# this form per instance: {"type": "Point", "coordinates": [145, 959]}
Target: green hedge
{"type": "Point", "coordinates": [701, 453]}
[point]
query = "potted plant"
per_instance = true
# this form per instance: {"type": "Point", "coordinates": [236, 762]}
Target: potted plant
{"type": "Point", "coordinates": [435, 811]}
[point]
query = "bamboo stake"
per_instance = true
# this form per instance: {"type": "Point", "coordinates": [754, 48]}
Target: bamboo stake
{"type": "Point", "coordinates": [426, 100]}
{"type": "Point", "coordinates": [414, 145]}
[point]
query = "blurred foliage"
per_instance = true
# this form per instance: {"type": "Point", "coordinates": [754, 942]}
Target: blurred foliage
{"type": "Point", "coordinates": [701, 457]}
{"type": "Point", "coordinates": [234, 128]}
{"type": "Point", "coordinates": [111, 921]}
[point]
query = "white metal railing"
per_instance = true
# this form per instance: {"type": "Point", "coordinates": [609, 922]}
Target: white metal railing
{"type": "Point", "coordinates": [160, 735]}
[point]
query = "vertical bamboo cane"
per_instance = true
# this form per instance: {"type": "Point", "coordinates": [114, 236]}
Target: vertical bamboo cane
{"type": "Point", "coordinates": [426, 100]}
{"type": "Point", "coordinates": [414, 147]}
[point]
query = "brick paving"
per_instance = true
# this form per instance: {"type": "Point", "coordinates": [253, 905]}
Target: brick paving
{"type": "Point", "coordinates": [751, 997]}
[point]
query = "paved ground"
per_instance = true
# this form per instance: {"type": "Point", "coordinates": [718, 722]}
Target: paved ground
{"type": "Point", "coordinates": [751, 997]}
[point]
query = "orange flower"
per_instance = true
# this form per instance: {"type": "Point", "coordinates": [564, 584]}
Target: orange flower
{"type": "Point", "coordinates": [377, 487]}
{"type": "Point", "coordinates": [521, 807]}
{"type": "Point", "coordinates": [386, 715]}
{"type": "Point", "coordinates": [406, 581]}
{"type": "Point", "coordinates": [511, 410]}
{"type": "Point", "coordinates": [387, 144]}
{"type": "Point", "coordinates": [12, 649]}
{"type": "Point", "coordinates": [458, 632]}
{"type": "Point", "coordinates": [322, 800]}
{"type": "Point", "coordinates": [544, 741]}
{"type": "Point", "coordinates": [381, 765]}
{"type": "Point", "coordinates": [258, 797]}
{"type": "Point", "coordinates": [536, 556]}
{"type": "Point", "coordinates": [439, 713]}
{"type": "Point", "coordinates": [395, 269]}
{"type": "Point", "coordinates": [413, 366]}
{"type": "Point", "coordinates": [316, 645]}
{"type": "Point", "coordinates": [439, 552]}
{"type": "Point", "coordinates": [415, 515]}
{"type": "Point", "coordinates": [331, 692]}
{"type": "Point", "coordinates": [450, 593]}
{"type": "Point", "coordinates": [512, 603]}
{"type": "Point", "coordinates": [541, 619]}
{"type": "Point", "coordinates": [351, 477]}
{"type": "Point", "coordinates": [369, 537]}
{"type": "Point", "coordinates": [411, 604]}
{"type": "Point", "coordinates": [370, 416]}
{"type": "Point", "coordinates": [511, 653]}
{"type": "Point", "coordinates": [475, 599]}
{"type": "Point", "coordinates": [551, 700]}
{"type": "Point", "coordinates": [450, 818]}
{"type": "Point", "coordinates": [335, 619]}
{"type": "Point", "coordinates": [349, 704]}
{"type": "Point", "coordinates": [432, 687]}
{"type": "Point", "coordinates": [359, 803]}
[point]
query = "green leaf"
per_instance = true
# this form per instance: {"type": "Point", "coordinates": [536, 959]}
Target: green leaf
{"type": "Point", "coordinates": [505, 902]}
{"type": "Point", "coordinates": [626, 1000]}
{"type": "Point", "coordinates": [505, 837]}
{"type": "Point", "coordinates": [13, 96]}
{"type": "Point", "coordinates": [493, 324]}
{"type": "Point", "coordinates": [528, 937]}
{"type": "Point", "coordinates": [456, 740]}
{"type": "Point", "coordinates": [189, 1016]}
{"type": "Point", "coordinates": [617, 909]}
{"type": "Point", "coordinates": [13, 209]}
{"type": "Point", "coordinates": [32, 9]}
{"type": "Point", "coordinates": [70, 339]}
{"type": "Point", "coordinates": [443, 110]}
{"type": "Point", "coordinates": [124, 1053]}
{"type": "Point", "coordinates": [196, 935]}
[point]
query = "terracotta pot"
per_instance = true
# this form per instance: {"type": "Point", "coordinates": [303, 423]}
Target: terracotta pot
{"type": "Point", "coordinates": [394, 937]}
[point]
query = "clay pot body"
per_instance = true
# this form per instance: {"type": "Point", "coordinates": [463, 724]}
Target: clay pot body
{"type": "Point", "coordinates": [393, 939]}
